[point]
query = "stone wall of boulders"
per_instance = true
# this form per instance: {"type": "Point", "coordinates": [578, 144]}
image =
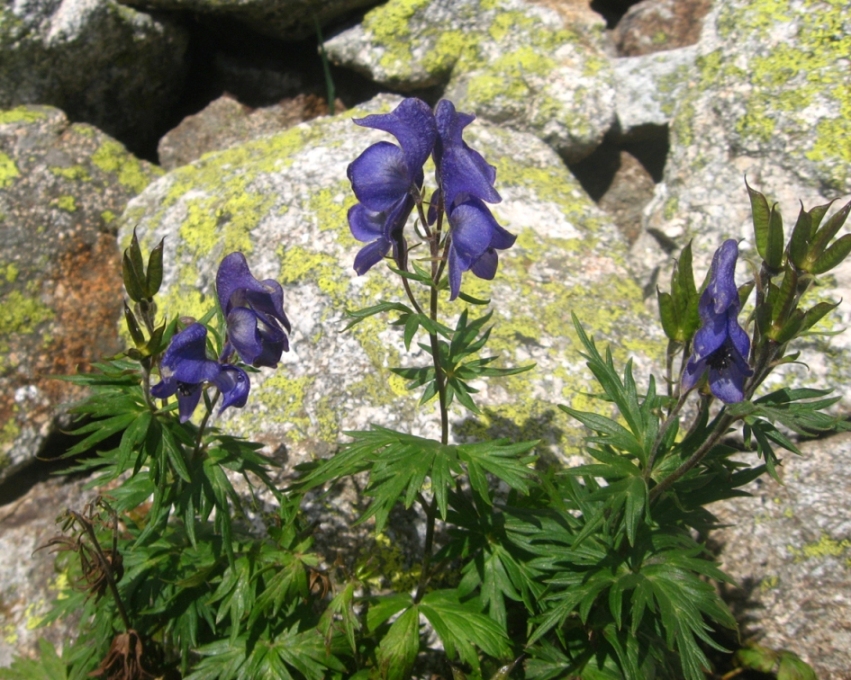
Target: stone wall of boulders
{"type": "Point", "coordinates": [620, 131]}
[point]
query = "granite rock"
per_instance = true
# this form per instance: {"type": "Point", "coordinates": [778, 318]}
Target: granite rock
{"type": "Point", "coordinates": [62, 187]}
{"type": "Point", "coordinates": [789, 549]}
{"type": "Point", "coordinates": [768, 99]}
{"type": "Point", "coordinates": [656, 25]}
{"type": "Point", "coordinates": [541, 68]}
{"type": "Point", "coordinates": [99, 61]}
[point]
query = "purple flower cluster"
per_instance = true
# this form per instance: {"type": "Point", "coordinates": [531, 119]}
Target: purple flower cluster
{"type": "Point", "coordinates": [254, 312]}
{"type": "Point", "coordinates": [720, 346]}
{"type": "Point", "coordinates": [387, 181]}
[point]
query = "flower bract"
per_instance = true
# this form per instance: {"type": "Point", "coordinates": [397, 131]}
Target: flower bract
{"type": "Point", "coordinates": [720, 346]}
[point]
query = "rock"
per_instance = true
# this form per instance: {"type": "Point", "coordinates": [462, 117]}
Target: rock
{"type": "Point", "coordinates": [283, 200]}
{"type": "Point", "coordinates": [789, 549]}
{"type": "Point", "coordinates": [523, 65]}
{"type": "Point", "coordinates": [656, 25]}
{"type": "Point", "coordinates": [631, 189]}
{"type": "Point", "coordinates": [225, 122]}
{"type": "Point", "coordinates": [62, 186]}
{"type": "Point", "coordinates": [30, 579]}
{"type": "Point", "coordinates": [284, 19]}
{"type": "Point", "coordinates": [649, 88]}
{"type": "Point", "coordinates": [768, 100]}
{"type": "Point", "coordinates": [100, 62]}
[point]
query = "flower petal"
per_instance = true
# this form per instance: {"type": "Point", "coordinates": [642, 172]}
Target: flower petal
{"type": "Point", "coordinates": [370, 255]}
{"type": "Point", "coordinates": [485, 267]}
{"type": "Point", "coordinates": [366, 225]}
{"type": "Point", "coordinates": [185, 360]}
{"type": "Point", "coordinates": [472, 229]}
{"type": "Point", "coordinates": [693, 373]}
{"type": "Point", "coordinates": [710, 337]}
{"type": "Point", "coordinates": [722, 284]}
{"type": "Point", "coordinates": [244, 335]}
{"type": "Point", "coordinates": [188, 397]}
{"type": "Point", "coordinates": [461, 170]}
{"type": "Point", "coordinates": [727, 383]}
{"type": "Point", "coordinates": [413, 124]}
{"type": "Point", "coordinates": [380, 176]}
{"type": "Point", "coordinates": [234, 385]}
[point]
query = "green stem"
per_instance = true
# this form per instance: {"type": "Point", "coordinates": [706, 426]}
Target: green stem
{"type": "Point", "coordinates": [718, 431]}
{"type": "Point", "coordinates": [198, 440]}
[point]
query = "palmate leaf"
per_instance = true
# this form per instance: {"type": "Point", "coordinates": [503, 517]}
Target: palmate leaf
{"type": "Point", "coordinates": [462, 627]}
{"type": "Point", "coordinates": [401, 465]}
{"type": "Point", "coordinates": [398, 649]}
{"type": "Point", "coordinates": [286, 656]}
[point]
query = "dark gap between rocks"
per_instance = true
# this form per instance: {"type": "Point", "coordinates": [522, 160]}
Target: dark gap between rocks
{"type": "Point", "coordinates": [612, 10]}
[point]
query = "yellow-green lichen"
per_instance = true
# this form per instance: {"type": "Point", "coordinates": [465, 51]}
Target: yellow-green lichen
{"type": "Point", "coordinates": [9, 272]}
{"type": "Point", "coordinates": [66, 203]}
{"type": "Point", "coordinates": [21, 314]}
{"type": "Point", "coordinates": [507, 77]}
{"type": "Point", "coordinates": [9, 433]}
{"type": "Point", "coordinates": [114, 158]}
{"type": "Point", "coordinates": [284, 399]}
{"type": "Point", "coordinates": [389, 25]}
{"type": "Point", "coordinates": [108, 216]}
{"type": "Point", "coordinates": [21, 114]}
{"type": "Point", "coordinates": [384, 566]}
{"type": "Point", "coordinates": [826, 546]}
{"type": "Point", "coordinates": [8, 170]}
{"type": "Point", "coordinates": [72, 172]}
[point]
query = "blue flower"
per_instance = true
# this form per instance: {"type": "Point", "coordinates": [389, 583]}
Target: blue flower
{"type": "Point", "coordinates": [466, 181]}
{"type": "Point", "coordinates": [254, 312]}
{"type": "Point", "coordinates": [720, 346]}
{"type": "Point", "coordinates": [386, 178]}
{"type": "Point", "coordinates": [185, 369]}
{"type": "Point", "coordinates": [475, 237]}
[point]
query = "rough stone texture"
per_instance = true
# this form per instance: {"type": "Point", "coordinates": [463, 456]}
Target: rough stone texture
{"type": "Point", "coordinates": [285, 19]}
{"type": "Point", "coordinates": [61, 188]}
{"type": "Point", "coordinates": [656, 25]}
{"type": "Point", "coordinates": [649, 88]}
{"type": "Point", "coordinates": [789, 549]}
{"type": "Point", "coordinates": [100, 62]}
{"type": "Point", "coordinates": [283, 201]}
{"type": "Point", "coordinates": [225, 122]}
{"type": "Point", "coordinates": [769, 99]}
{"type": "Point", "coordinates": [520, 64]}
{"type": "Point", "coordinates": [631, 189]}
{"type": "Point", "coordinates": [30, 579]}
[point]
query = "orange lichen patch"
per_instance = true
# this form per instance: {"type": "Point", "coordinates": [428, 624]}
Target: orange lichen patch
{"type": "Point", "coordinates": [87, 301]}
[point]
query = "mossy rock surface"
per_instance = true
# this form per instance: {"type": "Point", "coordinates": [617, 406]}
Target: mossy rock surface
{"type": "Point", "coordinates": [62, 188]}
{"type": "Point", "coordinates": [521, 64]}
{"type": "Point", "coordinates": [282, 200]}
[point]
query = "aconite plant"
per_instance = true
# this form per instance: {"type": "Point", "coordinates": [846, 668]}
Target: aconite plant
{"type": "Point", "coordinates": [524, 568]}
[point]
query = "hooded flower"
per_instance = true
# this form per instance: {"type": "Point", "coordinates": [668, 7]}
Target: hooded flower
{"type": "Point", "coordinates": [254, 312]}
{"type": "Point", "coordinates": [466, 181]}
{"type": "Point", "coordinates": [720, 346]}
{"type": "Point", "coordinates": [385, 179]}
{"type": "Point", "coordinates": [185, 368]}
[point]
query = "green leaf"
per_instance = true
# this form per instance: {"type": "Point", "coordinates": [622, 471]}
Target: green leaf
{"type": "Point", "coordinates": [816, 313]}
{"type": "Point", "coordinates": [824, 235]}
{"type": "Point", "coordinates": [460, 626]}
{"type": "Point", "coordinates": [383, 607]}
{"type": "Point", "coordinates": [48, 666]}
{"type": "Point", "coordinates": [761, 221]}
{"type": "Point", "coordinates": [359, 315]}
{"type": "Point", "coordinates": [799, 241]}
{"type": "Point", "coordinates": [668, 314]}
{"type": "Point", "coordinates": [792, 667]}
{"type": "Point", "coordinates": [133, 327]}
{"type": "Point", "coordinates": [154, 276]}
{"type": "Point", "coordinates": [398, 649]}
{"type": "Point", "coordinates": [774, 244]}
{"type": "Point", "coordinates": [636, 501]}
{"type": "Point", "coordinates": [833, 256]}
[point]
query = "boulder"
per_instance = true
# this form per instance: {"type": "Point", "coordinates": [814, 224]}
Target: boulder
{"type": "Point", "coordinates": [789, 549]}
{"type": "Point", "coordinates": [99, 61]}
{"type": "Point", "coordinates": [657, 25]}
{"type": "Point", "coordinates": [225, 122]}
{"type": "Point", "coordinates": [282, 200]}
{"type": "Point", "coordinates": [62, 188]}
{"type": "Point", "coordinates": [524, 65]}
{"type": "Point", "coordinates": [284, 19]}
{"type": "Point", "coordinates": [767, 100]}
